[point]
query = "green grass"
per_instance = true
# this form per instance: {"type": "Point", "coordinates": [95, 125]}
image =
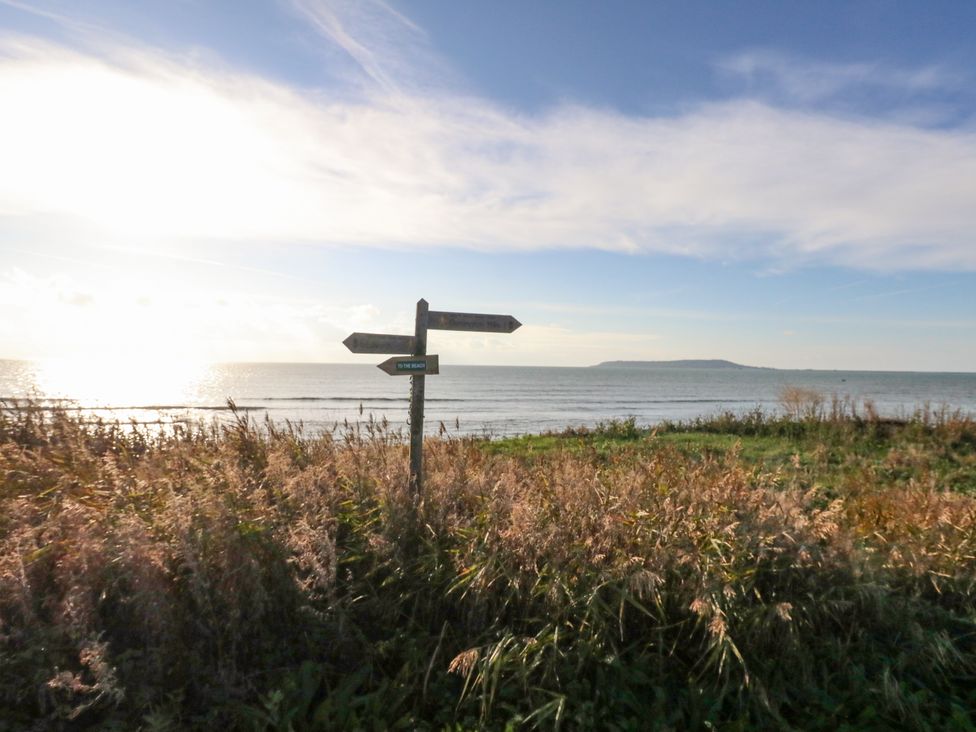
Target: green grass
{"type": "Point", "coordinates": [768, 452]}
{"type": "Point", "coordinates": [814, 451]}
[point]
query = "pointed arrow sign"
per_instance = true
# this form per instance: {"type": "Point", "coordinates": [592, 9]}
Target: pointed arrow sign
{"type": "Point", "coordinates": [379, 343]}
{"type": "Point", "coordinates": [410, 365]}
{"type": "Point", "coordinates": [482, 322]}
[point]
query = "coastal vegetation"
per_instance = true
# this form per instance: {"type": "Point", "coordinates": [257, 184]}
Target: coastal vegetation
{"type": "Point", "coordinates": [812, 569]}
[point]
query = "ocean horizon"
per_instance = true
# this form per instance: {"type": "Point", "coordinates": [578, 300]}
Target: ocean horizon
{"type": "Point", "coordinates": [488, 400]}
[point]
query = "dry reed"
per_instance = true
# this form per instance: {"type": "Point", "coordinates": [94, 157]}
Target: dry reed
{"type": "Point", "coordinates": [259, 578]}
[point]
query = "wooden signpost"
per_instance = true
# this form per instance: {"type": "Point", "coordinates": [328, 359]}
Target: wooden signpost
{"type": "Point", "coordinates": [409, 365]}
{"type": "Point", "coordinates": [379, 343]}
{"type": "Point", "coordinates": [437, 320]}
{"type": "Point", "coordinates": [418, 364]}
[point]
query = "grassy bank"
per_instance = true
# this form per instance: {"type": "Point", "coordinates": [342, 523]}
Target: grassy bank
{"type": "Point", "coordinates": [814, 571]}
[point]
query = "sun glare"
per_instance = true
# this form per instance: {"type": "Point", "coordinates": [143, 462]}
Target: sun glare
{"type": "Point", "coordinates": [94, 382]}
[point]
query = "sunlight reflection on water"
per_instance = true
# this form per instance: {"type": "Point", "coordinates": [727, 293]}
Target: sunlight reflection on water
{"type": "Point", "coordinates": [103, 383]}
{"type": "Point", "coordinates": [133, 389]}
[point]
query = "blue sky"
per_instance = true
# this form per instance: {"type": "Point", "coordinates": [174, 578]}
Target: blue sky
{"type": "Point", "coordinates": [777, 183]}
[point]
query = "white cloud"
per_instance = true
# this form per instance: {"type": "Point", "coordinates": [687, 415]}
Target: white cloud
{"type": "Point", "coordinates": [156, 148]}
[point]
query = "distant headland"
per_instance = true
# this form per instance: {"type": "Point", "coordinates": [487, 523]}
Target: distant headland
{"type": "Point", "coordinates": [688, 363]}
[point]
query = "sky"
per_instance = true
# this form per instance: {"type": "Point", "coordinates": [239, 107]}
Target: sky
{"type": "Point", "coordinates": [782, 184]}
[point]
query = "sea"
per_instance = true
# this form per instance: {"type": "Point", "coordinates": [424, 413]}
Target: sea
{"type": "Point", "coordinates": [493, 401]}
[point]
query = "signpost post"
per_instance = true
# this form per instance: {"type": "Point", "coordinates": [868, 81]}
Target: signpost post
{"type": "Point", "coordinates": [417, 364]}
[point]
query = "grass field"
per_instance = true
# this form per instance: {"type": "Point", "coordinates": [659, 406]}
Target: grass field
{"type": "Point", "coordinates": [815, 571]}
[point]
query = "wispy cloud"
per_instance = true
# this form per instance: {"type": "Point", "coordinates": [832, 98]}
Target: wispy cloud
{"type": "Point", "coordinates": [388, 47]}
{"type": "Point", "coordinates": [155, 147]}
{"type": "Point", "coordinates": [811, 81]}
{"type": "Point", "coordinates": [900, 292]}
{"type": "Point", "coordinates": [61, 19]}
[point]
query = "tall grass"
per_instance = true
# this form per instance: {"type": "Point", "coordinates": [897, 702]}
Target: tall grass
{"type": "Point", "coordinates": [807, 412]}
{"type": "Point", "coordinates": [259, 578]}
